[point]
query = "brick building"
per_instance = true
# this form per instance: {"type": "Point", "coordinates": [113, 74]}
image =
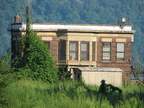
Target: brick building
{"type": "Point", "coordinates": [94, 52]}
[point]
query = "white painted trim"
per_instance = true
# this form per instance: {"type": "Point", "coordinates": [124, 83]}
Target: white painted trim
{"type": "Point", "coordinates": [120, 40]}
{"type": "Point", "coordinates": [72, 27]}
{"type": "Point", "coordinates": [47, 38]}
{"type": "Point", "coordinates": [106, 39]}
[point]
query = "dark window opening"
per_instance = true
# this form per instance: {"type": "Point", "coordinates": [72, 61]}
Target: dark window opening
{"type": "Point", "coordinates": [62, 50]}
{"type": "Point", "coordinates": [93, 51]}
{"type": "Point", "coordinates": [48, 44]}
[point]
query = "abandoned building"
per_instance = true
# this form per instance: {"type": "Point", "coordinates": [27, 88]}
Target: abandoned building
{"type": "Point", "coordinates": [94, 52]}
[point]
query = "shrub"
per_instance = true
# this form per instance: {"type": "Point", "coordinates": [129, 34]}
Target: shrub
{"type": "Point", "coordinates": [63, 74]}
{"type": "Point", "coordinates": [35, 62]}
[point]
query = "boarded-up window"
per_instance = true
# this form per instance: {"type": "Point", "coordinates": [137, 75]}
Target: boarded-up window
{"type": "Point", "coordinates": [62, 50]}
{"type": "Point", "coordinates": [93, 51]}
{"type": "Point", "coordinates": [106, 51]}
{"type": "Point", "coordinates": [73, 54]}
{"type": "Point", "coordinates": [120, 51]}
{"type": "Point", "coordinates": [84, 51]}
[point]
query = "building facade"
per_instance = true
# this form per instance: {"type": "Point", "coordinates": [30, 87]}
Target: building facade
{"type": "Point", "coordinates": [94, 52]}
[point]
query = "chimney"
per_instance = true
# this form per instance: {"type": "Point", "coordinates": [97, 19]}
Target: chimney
{"type": "Point", "coordinates": [27, 17]}
{"type": "Point", "coordinates": [17, 19]}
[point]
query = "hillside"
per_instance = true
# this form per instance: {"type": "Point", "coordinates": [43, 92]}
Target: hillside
{"type": "Point", "coordinates": [78, 12]}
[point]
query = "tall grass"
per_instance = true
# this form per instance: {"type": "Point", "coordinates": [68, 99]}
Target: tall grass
{"type": "Point", "coordinates": [36, 94]}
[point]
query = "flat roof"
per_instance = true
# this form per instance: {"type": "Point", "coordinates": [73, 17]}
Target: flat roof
{"type": "Point", "coordinates": [100, 69]}
{"type": "Point", "coordinates": [73, 27]}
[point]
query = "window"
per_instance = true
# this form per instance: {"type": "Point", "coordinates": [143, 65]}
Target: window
{"type": "Point", "coordinates": [15, 48]}
{"type": "Point", "coordinates": [47, 43]}
{"type": "Point", "coordinates": [73, 51]}
{"type": "Point", "coordinates": [120, 51]}
{"type": "Point", "coordinates": [93, 51]}
{"type": "Point", "coordinates": [84, 51]}
{"type": "Point", "coordinates": [106, 51]}
{"type": "Point", "coordinates": [62, 50]}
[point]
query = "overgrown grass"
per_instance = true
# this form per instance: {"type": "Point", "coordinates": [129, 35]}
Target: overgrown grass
{"type": "Point", "coordinates": [36, 94]}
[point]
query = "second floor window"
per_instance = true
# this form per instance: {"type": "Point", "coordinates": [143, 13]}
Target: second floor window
{"type": "Point", "coordinates": [84, 51]}
{"type": "Point", "coordinates": [62, 50]}
{"type": "Point", "coordinates": [73, 51]}
{"type": "Point", "coordinates": [48, 43]}
{"type": "Point", "coordinates": [93, 51]}
{"type": "Point", "coordinates": [120, 51]}
{"type": "Point", "coordinates": [106, 51]}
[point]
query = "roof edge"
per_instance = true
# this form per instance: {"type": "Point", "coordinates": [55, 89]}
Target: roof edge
{"type": "Point", "coordinates": [70, 24]}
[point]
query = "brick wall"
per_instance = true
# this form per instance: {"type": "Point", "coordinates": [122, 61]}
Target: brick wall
{"type": "Point", "coordinates": [54, 48]}
{"type": "Point", "coordinates": [124, 65]}
{"type": "Point", "coordinates": [53, 45]}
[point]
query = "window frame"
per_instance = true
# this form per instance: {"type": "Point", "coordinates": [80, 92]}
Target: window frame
{"type": "Point", "coordinates": [120, 59]}
{"type": "Point", "coordinates": [87, 52]}
{"type": "Point", "coordinates": [106, 52]}
{"type": "Point", "coordinates": [73, 51]}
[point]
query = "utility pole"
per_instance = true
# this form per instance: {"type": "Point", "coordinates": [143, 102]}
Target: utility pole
{"type": "Point", "coordinates": [27, 19]}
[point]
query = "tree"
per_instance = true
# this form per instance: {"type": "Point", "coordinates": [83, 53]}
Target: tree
{"type": "Point", "coordinates": [35, 62]}
{"type": "Point", "coordinates": [136, 72]}
{"type": "Point", "coordinates": [5, 69]}
{"type": "Point", "coordinates": [4, 63]}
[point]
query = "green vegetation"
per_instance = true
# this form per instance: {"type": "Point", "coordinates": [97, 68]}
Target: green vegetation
{"type": "Point", "coordinates": [79, 12]}
{"type": "Point", "coordinates": [5, 69]}
{"type": "Point", "coordinates": [136, 71]}
{"type": "Point", "coordinates": [37, 65]}
{"type": "Point", "coordinates": [37, 94]}
{"type": "Point", "coordinates": [8, 9]}
{"type": "Point", "coordinates": [5, 64]}
{"type": "Point", "coordinates": [36, 62]}
{"type": "Point", "coordinates": [63, 74]}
